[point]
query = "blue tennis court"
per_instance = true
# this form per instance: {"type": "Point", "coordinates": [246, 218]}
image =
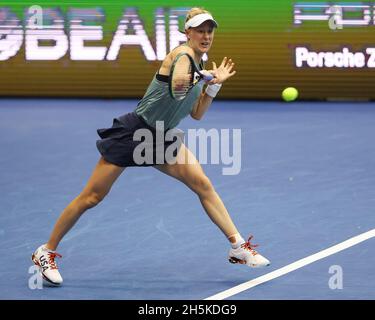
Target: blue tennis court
{"type": "Point", "coordinates": [306, 183]}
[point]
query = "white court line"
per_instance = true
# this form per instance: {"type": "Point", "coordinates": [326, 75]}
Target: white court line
{"type": "Point", "coordinates": [294, 266]}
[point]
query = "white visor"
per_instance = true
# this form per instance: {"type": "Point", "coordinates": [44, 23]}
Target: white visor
{"type": "Point", "coordinates": [199, 19]}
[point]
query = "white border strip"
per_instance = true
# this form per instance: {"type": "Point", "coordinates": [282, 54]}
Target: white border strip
{"type": "Point", "coordinates": [294, 266]}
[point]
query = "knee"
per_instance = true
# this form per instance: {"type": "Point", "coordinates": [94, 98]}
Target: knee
{"type": "Point", "coordinates": [91, 199]}
{"type": "Point", "coordinates": [201, 185]}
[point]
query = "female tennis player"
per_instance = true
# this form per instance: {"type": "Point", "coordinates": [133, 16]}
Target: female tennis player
{"type": "Point", "coordinates": [117, 146]}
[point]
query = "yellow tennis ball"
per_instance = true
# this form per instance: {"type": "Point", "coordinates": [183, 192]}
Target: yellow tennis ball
{"type": "Point", "coordinates": [289, 94]}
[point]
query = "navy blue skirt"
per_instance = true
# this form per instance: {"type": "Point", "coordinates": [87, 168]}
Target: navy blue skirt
{"type": "Point", "coordinates": [132, 142]}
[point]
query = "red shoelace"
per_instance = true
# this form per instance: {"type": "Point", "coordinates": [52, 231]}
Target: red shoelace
{"type": "Point", "coordinates": [51, 257]}
{"type": "Point", "coordinates": [249, 246]}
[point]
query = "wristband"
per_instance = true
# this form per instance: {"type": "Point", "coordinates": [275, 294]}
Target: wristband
{"type": "Point", "coordinates": [213, 89]}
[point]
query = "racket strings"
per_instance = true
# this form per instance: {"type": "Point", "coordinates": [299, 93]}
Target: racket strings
{"type": "Point", "coordinates": [182, 77]}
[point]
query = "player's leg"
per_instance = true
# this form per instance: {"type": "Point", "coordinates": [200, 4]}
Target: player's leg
{"type": "Point", "coordinates": [188, 170]}
{"type": "Point", "coordinates": [98, 186]}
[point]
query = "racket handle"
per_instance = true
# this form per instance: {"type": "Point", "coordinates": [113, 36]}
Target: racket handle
{"type": "Point", "coordinates": [208, 78]}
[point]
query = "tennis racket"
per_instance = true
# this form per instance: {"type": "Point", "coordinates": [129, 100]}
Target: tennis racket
{"type": "Point", "coordinates": [184, 75]}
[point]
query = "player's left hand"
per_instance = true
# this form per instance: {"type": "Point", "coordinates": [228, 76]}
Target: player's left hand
{"type": "Point", "coordinates": [224, 72]}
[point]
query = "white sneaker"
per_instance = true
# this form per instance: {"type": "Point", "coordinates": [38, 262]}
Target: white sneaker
{"type": "Point", "coordinates": [45, 259]}
{"type": "Point", "coordinates": [245, 254]}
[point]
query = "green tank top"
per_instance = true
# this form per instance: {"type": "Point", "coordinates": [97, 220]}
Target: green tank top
{"type": "Point", "coordinates": [158, 105]}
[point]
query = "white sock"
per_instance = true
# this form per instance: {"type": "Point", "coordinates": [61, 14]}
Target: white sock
{"type": "Point", "coordinates": [239, 241]}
